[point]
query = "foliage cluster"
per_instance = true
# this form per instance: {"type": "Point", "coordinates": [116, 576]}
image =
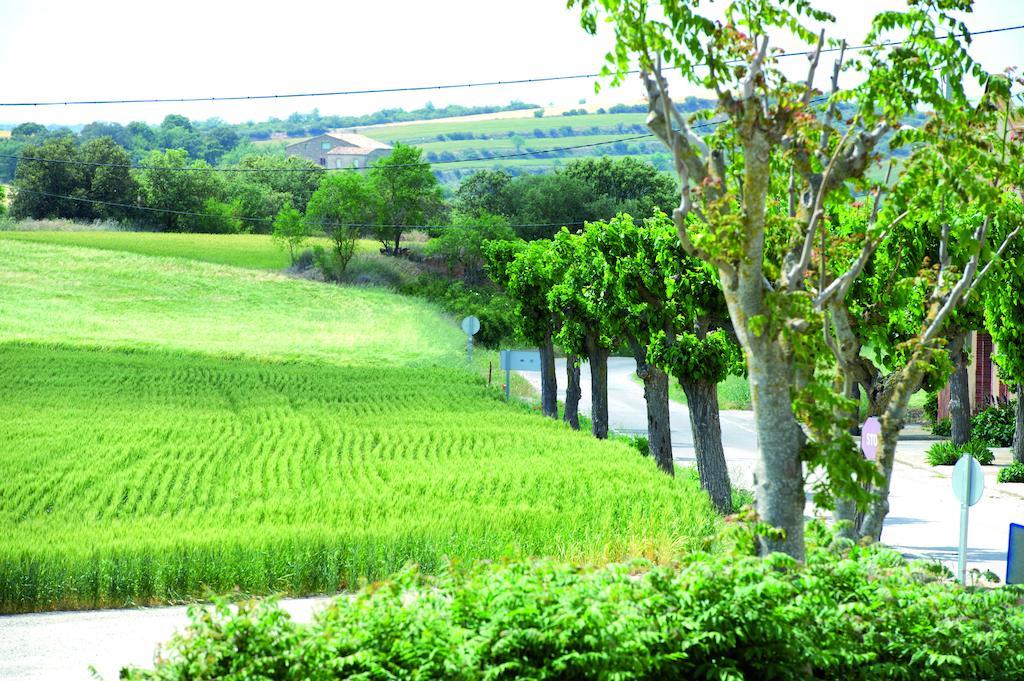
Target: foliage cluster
{"type": "Point", "coordinates": [1012, 473]}
{"type": "Point", "coordinates": [942, 427]}
{"type": "Point", "coordinates": [850, 612]}
{"type": "Point", "coordinates": [946, 453]}
{"type": "Point", "coordinates": [583, 190]}
{"type": "Point", "coordinates": [195, 198]}
{"type": "Point", "coordinates": [995, 425]}
{"type": "Point", "coordinates": [492, 307]}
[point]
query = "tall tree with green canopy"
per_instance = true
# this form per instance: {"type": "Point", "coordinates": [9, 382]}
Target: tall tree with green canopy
{"type": "Point", "coordinates": [582, 296]}
{"type": "Point", "coordinates": [39, 184]}
{"type": "Point", "coordinates": [174, 183]}
{"type": "Point", "coordinates": [342, 206]}
{"type": "Point", "coordinates": [107, 177]}
{"type": "Point", "coordinates": [407, 194]}
{"type": "Point", "coordinates": [527, 273]}
{"type": "Point", "coordinates": [1004, 313]}
{"type": "Point", "coordinates": [672, 314]}
{"type": "Point", "coordinates": [771, 144]}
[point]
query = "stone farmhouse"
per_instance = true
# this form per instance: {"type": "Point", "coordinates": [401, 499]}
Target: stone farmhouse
{"type": "Point", "coordinates": [339, 150]}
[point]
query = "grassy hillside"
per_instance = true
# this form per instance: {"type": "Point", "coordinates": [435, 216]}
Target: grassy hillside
{"type": "Point", "coordinates": [176, 429]}
{"type": "Point", "coordinates": [257, 251]}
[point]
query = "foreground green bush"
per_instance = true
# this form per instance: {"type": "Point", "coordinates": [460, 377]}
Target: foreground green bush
{"type": "Point", "coordinates": [1012, 473]}
{"type": "Point", "coordinates": [995, 424]}
{"type": "Point", "coordinates": [947, 454]}
{"type": "Point", "coordinates": [849, 613]}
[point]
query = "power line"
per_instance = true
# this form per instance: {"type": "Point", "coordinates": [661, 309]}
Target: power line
{"type": "Point", "coordinates": [423, 88]}
{"type": "Point", "coordinates": [235, 169]}
{"type": "Point", "coordinates": [321, 224]}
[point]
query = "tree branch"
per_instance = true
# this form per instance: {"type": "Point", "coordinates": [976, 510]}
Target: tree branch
{"type": "Point", "coordinates": [831, 112]}
{"type": "Point", "coordinates": [753, 71]}
{"type": "Point", "coordinates": [838, 288]}
{"type": "Point", "coordinates": [961, 287]}
{"type": "Point", "coordinates": [814, 67]}
{"type": "Point", "coordinates": [997, 256]}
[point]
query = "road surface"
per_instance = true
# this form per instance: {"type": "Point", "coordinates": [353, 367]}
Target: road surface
{"type": "Point", "coordinates": [924, 518]}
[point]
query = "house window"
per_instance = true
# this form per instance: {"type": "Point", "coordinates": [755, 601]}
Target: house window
{"type": "Point", "coordinates": [337, 163]}
{"type": "Point", "coordinates": [323, 161]}
{"type": "Point", "coordinates": [325, 145]}
{"type": "Point", "coordinates": [355, 163]}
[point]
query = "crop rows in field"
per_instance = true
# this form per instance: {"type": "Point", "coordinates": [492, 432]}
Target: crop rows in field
{"type": "Point", "coordinates": [140, 476]}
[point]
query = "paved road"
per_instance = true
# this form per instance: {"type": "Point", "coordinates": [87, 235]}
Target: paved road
{"type": "Point", "coordinates": [62, 645]}
{"type": "Point", "coordinates": [924, 520]}
{"type": "Point", "coordinates": [627, 413]}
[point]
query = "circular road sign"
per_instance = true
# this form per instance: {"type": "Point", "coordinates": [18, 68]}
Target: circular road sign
{"type": "Point", "coordinates": [470, 325]}
{"type": "Point", "coordinates": [869, 435]}
{"type": "Point", "coordinates": [966, 493]}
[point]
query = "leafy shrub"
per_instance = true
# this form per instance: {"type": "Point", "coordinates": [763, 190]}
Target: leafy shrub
{"type": "Point", "coordinates": [943, 427]}
{"type": "Point", "coordinates": [931, 407]}
{"type": "Point", "coordinates": [492, 307]}
{"type": "Point", "coordinates": [994, 425]}
{"type": "Point", "coordinates": [1012, 473]}
{"type": "Point", "coordinates": [946, 453]}
{"type": "Point", "coordinates": [374, 269]}
{"type": "Point", "coordinates": [641, 444]}
{"type": "Point", "coordinates": [849, 612]}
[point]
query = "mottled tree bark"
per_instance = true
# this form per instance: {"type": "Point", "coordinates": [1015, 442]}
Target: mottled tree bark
{"type": "Point", "coordinates": [659, 429]}
{"type": "Point", "coordinates": [598, 358]}
{"type": "Point", "coordinates": [959, 392]}
{"type": "Point", "coordinates": [572, 391]}
{"type": "Point", "coordinates": [1018, 432]}
{"type": "Point", "coordinates": [702, 399]}
{"type": "Point", "coordinates": [548, 380]}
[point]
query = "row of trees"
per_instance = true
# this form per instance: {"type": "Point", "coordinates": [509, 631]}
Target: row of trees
{"type": "Point", "coordinates": [400, 191]}
{"type": "Point", "coordinates": [101, 185]}
{"type": "Point", "coordinates": [814, 282]}
{"type": "Point", "coordinates": [622, 283]}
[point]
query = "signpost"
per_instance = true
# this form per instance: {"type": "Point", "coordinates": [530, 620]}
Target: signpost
{"type": "Point", "coordinates": [869, 433]}
{"type": "Point", "coordinates": [1015, 555]}
{"type": "Point", "coordinates": [470, 325]}
{"type": "Point", "coordinates": [519, 360]}
{"type": "Point", "coordinates": [968, 484]}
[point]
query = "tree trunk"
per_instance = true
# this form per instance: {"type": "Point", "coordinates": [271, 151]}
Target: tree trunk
{"type": "Point", "coordinates": [778, 476]}
{"type": "Point", "coordinates": [598, 358]}
{"type": "Point", "coordinates": [572, 391]}
{"type": "Point", "coordinates": [892, 423]}
{"type": "Point", "coordinates": [548, 380]}
{"type": "Point", "coordinates": [1018, 431]}
{"type": "Point", "coordinates": [959, 393]}
{"type": "Point", "coordinates": [659, 429]}
{"type": "Point", "coordinates": [846, 509]}
{"type": "Point", "coordinates": [702, 399]}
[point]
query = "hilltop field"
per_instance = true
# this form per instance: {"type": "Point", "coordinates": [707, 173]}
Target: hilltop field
{"type": "Point", "coordinates": [175, 429]}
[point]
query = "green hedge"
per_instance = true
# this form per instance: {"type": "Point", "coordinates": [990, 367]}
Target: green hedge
{"type": "Point", "coordinates": [947, 454]}
{"type": "Point", "coordinates": [994, 425]}
{"type": "Point", "coordinates": [849, 613]}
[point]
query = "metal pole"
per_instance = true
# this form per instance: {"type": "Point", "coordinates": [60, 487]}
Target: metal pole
{"type": "Point", "coordinates": [507, 360]}
{"type": "Point", "coordinates": [469, 349]}
{"type": "Point", "coordinates": [961, 568]}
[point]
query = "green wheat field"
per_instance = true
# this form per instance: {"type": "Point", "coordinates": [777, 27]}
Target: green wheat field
{"type": "Point", "coordinates": [174, 429]}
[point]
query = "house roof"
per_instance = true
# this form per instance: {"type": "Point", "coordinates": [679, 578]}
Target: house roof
{"type": "Point", "coordinates": [346, 139]}
{"type": "Point", "coordinates": [352, 151]}
{"type": "Point", "coordinates": [357, 140]}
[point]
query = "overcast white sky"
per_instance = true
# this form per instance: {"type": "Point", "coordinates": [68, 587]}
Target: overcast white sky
{"type": "Point", "coordinates": [109, 49]}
